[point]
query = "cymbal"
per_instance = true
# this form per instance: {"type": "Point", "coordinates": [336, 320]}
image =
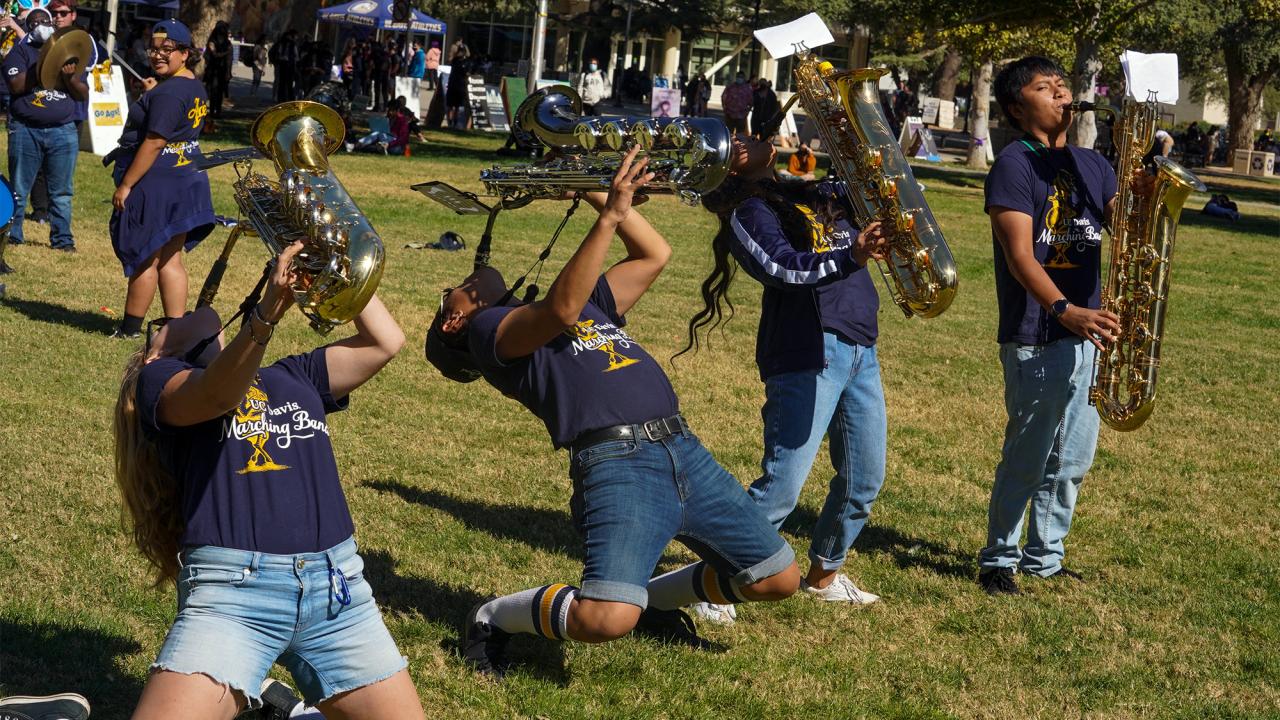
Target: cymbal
{"type": "Point", "coordinates": [66, 45]}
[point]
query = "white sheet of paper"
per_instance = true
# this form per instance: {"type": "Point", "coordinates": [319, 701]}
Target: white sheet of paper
{"type": "Point", "coordinates": [781, 40]}
{"type": "Point", "coordinates": [1151, 72]}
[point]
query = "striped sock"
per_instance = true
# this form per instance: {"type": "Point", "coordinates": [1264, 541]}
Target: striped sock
{"type": "Point", "coordinates": [538, 611]}
{"type": "Point", "coordinates": [691, 584]}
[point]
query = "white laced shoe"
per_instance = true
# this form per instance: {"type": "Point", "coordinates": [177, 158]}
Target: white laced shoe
{"type": "Point", "coordinates": [715, 614]}
{"type": "Point", "coordinates": [841, 589]}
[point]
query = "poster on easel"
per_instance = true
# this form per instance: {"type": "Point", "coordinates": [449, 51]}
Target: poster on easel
{"type": "Point", "coordinates": [108, 108]}
{"type": "Point", "coordinates": [917, 141]}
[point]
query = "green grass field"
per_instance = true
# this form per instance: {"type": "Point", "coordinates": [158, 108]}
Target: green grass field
{"type": "Point", "coordinates": [457, 494]}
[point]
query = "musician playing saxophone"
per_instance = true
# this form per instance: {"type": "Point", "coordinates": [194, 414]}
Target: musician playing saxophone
{"type": "Point", "coordinates": [1048, 203]}
{"type": "Point", "coordinates": [162, 200]}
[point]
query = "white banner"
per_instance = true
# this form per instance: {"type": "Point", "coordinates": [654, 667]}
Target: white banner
{"type": "Point", "coordinates": [108, 110]}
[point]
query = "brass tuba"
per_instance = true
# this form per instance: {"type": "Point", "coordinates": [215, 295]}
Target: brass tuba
{"type": "Point", "coordinates": [919, 271]}
{"type": "Point", "coordinates": [342, 257]}
{"type": "Point", "coordinates": [1137, 285]}
{"type": "Point", "coordinates": [689, 156]}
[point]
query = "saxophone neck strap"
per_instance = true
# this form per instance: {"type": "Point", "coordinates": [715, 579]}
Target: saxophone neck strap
{"type": "Point", "coordinates": [531, 293]}
{"type": "Point", "coordinates": [250, 301]}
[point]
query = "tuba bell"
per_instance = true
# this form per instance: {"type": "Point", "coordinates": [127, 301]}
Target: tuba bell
{"type": "Point", "coordinates": [689, 156]}
{"type": "Point", "coordinates": [1137, 284]}
{"type": "Point", "coordinates": [342, 257]}
{"type": "Point", "coordinates": [919, 271]}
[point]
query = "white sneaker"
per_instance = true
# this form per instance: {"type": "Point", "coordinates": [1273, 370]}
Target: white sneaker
{"type": "Point", "coordinates": [841, 589]}
{"type": "Point", "coordinates": [715, 614]}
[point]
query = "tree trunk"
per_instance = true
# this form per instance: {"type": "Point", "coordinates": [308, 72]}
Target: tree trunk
{"type": "Point", "coordinates": [302, 16]}
{"type": "Point", "coordinates": [1244, 99]}
{"type": "Point", "coordinates": [947, 75]}
{"type": "Point", "coordinates": [201, 15]}
{"type": "Point", "coordinates": [1084, 78]}
{"type": "Point", "coordinates": [979, 134]}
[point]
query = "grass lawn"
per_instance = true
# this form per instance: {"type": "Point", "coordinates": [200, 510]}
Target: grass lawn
{"type": "Point", "coordinates": [457, 494]}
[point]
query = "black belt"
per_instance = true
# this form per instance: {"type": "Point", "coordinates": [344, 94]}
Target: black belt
{"type": "Point", "coordinates": [653, 431]}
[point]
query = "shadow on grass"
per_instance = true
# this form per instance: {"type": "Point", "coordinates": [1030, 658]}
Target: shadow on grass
{"type": "Point", "coordinates": [550, 530]}
{"type": "Point", "coordinates": [90, 322]}
{"type": "Point", "coordinates": [449, 605]}
{"type": "Point", "coordinates": [906, 551]}
{"type": "Point", "coordinates": [44, 659]}
{"type": "Point", "coordinates": [1265, 226]}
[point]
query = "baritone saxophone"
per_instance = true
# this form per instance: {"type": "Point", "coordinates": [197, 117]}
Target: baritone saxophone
{"type": "Point", "coordinates": [918, 268]}
{"type": "Point", "coordinates": [1137, 283]}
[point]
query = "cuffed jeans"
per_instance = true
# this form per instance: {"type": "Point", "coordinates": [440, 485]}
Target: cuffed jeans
{"type": "Point", "coordinates": [845, 401]}
{"type": "Point", "coordinates": [55, 149]}
{"type": "Point", "coordinates": [1049, 443]}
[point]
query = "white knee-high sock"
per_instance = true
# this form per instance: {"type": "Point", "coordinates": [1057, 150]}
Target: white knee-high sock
{"type": "Point", "coordinates": [538, 611]}
{"type": "Point", "coordinates": [698, 582]}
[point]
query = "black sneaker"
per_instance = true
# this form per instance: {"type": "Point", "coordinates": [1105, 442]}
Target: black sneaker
{"type": "Point", "coordinates": [69, 249]}
{"type": "Point", "coordinates": [670, 626]}
{"type": "Point", "coordinates": [66, 706]}
{"type": "Point", "coordinates": [1064, 574]}
{"type": "Point", "coordinates": [484, 646]}
{"type": "Point", "coordinates": [278, 700]}
{"type": "Point", "coordinates": [998, 581]}
{"type": "Point", "coordinates": [6, 268]}
{"type": "Point", "coordinates": [122, 335]}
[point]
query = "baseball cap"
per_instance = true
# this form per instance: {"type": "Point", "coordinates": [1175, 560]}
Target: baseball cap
{"type": "Point", "coordinates": [172, 30]}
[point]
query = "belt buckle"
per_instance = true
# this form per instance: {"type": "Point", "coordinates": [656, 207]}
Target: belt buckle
{"type": "Point", "coordinates": [648, 430]}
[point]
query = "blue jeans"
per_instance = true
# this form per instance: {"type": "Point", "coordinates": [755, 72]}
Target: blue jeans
{"type": "Point", "coordinates": [632, 497]}
{"type": "Point", "coordinates": [240, 611]}
{"type": "Point", "coordinates": [1049, 443]}
{"type": "Point", "coordinates": [845, 401]}
{"type": "Point", "coordinates": [55, 149]}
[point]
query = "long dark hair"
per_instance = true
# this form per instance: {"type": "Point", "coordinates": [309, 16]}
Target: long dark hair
{"type": "Point", "coordinates": [784, 199]}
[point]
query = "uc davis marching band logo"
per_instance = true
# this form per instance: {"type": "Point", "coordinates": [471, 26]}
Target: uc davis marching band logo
{"type": "Point", "coordinates": [250, 423]}
{"type": "Point", "coordinates": [1058, 219]}
{"type": "Point", "coordinates": [589, 336]}
{"type": "Point", "coordinates": [197, 112]}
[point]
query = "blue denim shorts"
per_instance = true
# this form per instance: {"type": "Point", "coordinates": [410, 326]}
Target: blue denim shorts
{"type": "Point", "coordinates": [240, 611]}
{"type": "Point", "coordinates": [632, 497]}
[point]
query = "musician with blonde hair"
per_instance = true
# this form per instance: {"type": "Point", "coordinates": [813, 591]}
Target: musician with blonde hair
{"type": "Point", "coordinates": [232, 491]}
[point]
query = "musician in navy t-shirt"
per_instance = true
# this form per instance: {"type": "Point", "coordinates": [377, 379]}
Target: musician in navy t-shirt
{"type": "Point", "coordinates": [640, 477]}
{"type": "Point", "coordinates": [162, 199]}
{"type": "Point", "coordinates": [815, 349]}
{"type": "Point", "coordinates": [42, 129]}
{"type": "Point", "coordinates": [228, 473]}
{"type": "Point", "coordinates": [1048, 204]}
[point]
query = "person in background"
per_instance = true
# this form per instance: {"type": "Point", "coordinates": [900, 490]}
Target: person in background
{"type": "Point", "coordinates": [432, 75]}
{"type": "Point", "coordinates": [217, 66]}
{"type": "Point", "coordinates": [697, 94]}
{"type": "Point", "coordinates": [418, 64]}
{"type": "Point", "coordinates": [260, 55]}
{"type": "Point", "coordinates": [162, 201]}
{"type": "Point", "coordinates": [736, 102]}
{"type": "Point", "coordinates": [284, 57]}
{"type": "Point", "coordinates": [764, 107]}
{"type": "Point", "coordinates": [593, 87]}
{"type": "Point", "coordinates": [457, 94]}
{"type": "Point", "coordinates": [42, 129]}
{"type": "Point", "coordinates": [1161, 146]}
{"type": "Point", "coordinates": [800, 166]}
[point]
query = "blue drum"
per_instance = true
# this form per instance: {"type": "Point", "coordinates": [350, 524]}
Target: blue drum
{"type": "Point", "coordinates": [7, 208]}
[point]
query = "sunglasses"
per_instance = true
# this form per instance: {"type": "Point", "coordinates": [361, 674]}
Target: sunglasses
{"type": "Point", "coordinates": [63, 13]}
{"type": "Point", "coordinates": [153, 327]}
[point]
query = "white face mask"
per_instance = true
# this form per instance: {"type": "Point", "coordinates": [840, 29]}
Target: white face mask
{"type": "Point", "coordinates": [40, 34]}
{"type": "Point", "coordinates": [593, 67]}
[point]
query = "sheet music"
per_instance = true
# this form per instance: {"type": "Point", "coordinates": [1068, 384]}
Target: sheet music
{"type": "Point", "coordinates": [1144, 73]}
{"type": "Point", "coordinates": [781, 40]}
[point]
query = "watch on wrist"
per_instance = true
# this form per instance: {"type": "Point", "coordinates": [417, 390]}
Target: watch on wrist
{"type": "Point", "coordinates": [1059, 307]}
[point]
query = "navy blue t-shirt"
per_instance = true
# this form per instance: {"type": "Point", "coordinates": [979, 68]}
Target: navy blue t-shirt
{"type": "Point", "coordinates": [262, 477]}
{"type": "Point", "coordinates": [805, 292]}
{"type": "Point", "coordinates": [591, 377]}
{"type": "Point", "coordinates": [175, 110]}
{"type": "Point", "coordinates": [1065, 191]}
{"type": "Point", "coordinates": [39, 107]}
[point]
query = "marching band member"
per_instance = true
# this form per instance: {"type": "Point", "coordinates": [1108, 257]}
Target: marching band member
{"type": "Point", "coordinates": [815, 350]}
{"type": "Point", "coordinates": [1048, 202]}
{"type": "Point", "coordinates": [640, 477]}
{"type": "Point", "coordinates": [162, 201]}
{"type": "Point", "coordinates": [42, 130]}
{"type": "Point", "coordinates": [230, 481]}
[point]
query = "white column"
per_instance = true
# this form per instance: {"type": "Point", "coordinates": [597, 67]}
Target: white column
{"type": "Point", "coordinates": [671, 53]}
{"type": "Point", "coordinates": [539, 43]}
{"type": "Point", "coordinates": [644, 53]}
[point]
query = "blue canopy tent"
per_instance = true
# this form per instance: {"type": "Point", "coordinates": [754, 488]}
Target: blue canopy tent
{"type": "Point", "coordinates": [377, 14]}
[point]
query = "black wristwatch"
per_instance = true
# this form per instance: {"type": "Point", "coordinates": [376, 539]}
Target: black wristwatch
{"type": "Point", "coordinates": [1059, 307]}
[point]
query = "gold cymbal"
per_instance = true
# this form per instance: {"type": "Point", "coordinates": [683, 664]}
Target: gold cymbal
{"type": "Point", "coordinates": [66, 45]}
